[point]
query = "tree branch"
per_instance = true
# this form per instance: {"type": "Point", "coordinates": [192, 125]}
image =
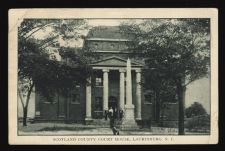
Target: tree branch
{"type": "Point", "coordinates": [21, 99]}
{"type": "Point", "coordinates": [38, 30]}
{"type": "Point", "coordinates": [50, 39]}
{"type": "Point", "coordinates": [29, 93]}
{"type": "Point", "coordinates": [49, 44]}
{"type": "Point", "coordinates": [185, 85]}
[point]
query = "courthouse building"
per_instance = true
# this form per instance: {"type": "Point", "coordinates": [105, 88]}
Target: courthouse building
{"type": "Point", "coordinates": [108, 87]}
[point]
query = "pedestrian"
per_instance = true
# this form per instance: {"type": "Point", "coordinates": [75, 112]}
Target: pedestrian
{"type": "Point", "coordinates": [110, 112]}
{"type": "Point", "coordinates": [115, 113]}
{"type": "Point", "coordinates": [106, 115]}
{"type": "Point", "coordinates": [121, 113]}
{"type": "Point", "coordinates": [115, 131]}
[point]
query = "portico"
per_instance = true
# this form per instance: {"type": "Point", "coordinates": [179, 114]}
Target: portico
{"type": "Point", "coordinates": [117, 65]}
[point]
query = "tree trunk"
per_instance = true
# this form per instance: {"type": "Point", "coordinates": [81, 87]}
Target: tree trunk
{"type": "Point", "coordinates": [25, 116]}
{"type": "Point", "coordinates": [157, 107]}
{"type": "Point", "coordinates": [26, 105]}
{"type": "Point", "coordinates": [180, 93]}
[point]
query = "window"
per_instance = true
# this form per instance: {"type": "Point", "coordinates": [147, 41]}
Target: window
{"type": "Point", "coordinates": [98, 81]}
{"type": "Point", "coordinates": [75, 98]}
{"type": "Point", "coordinates": [75, 95]}
{"type": "Point", "coordinates": [98, 104]}
{"type": "Point", "coordinates": [112, 46]}
{"type": "Point", "coordinates": [149, 97]}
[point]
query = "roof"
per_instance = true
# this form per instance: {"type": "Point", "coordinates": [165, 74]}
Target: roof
{"type": "Point", "coordinates": [115, 61]}
{"type": "Point", "coordinates": [107, 32]}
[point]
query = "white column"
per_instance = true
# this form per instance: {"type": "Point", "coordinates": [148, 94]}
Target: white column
{"type": "Point", "coordinates": [105, 89]}
{"type": "Point", "coordinates": [88, 100]}
{"type": "Point", "coordinates": [138, 94]}
{"type": "Point", "coordinates": [122, 89]}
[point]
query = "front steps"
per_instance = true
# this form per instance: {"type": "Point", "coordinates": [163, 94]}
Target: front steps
{"type": "Point", "coordinates": [100, 123]}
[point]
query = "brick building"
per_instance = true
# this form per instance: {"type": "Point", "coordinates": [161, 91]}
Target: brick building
{"type": "Point", "coordinates": [109, 85]}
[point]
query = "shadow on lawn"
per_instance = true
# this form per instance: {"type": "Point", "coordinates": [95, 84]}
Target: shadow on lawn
{"type": "Point", "coordinates": [56, 128]}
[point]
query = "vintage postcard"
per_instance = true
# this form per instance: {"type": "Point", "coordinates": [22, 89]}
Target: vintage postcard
{"type": "Point", "coordinates": [113, 76]}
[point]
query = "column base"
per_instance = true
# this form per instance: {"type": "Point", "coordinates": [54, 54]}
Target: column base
{"type": "Point", "coordinates": [88, 120]}
{"type": "Point", "coordinates": [139, 121]}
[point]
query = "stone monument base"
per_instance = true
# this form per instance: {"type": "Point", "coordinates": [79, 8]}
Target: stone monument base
{"type": "Point", "coordinates": [129, 125]}
{"type": "Point", "coordinates": [129, 122]}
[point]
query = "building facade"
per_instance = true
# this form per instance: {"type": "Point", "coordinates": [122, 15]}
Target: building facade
{"type": "Point", "coordinates": [108, 87]}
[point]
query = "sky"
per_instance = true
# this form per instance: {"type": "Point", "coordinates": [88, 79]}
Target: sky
{"type": "Point", "coordinates": [105, 22]}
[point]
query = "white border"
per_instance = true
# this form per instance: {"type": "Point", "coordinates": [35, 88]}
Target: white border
{"type": "Point", "coordinates": [17, 15]}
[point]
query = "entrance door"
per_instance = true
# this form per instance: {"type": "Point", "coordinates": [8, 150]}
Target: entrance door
{"type": "Point", "coordinates": [112, 103]}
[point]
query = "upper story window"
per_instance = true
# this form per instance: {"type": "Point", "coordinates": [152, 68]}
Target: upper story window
{"type": "Point", "coordinates": [112, 46]}
{"type": "Point", "coordinates": [98, 81]}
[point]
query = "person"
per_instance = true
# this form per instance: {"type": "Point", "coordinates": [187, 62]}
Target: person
{"type": "Point", "coordinates": [111, 119]}
{"type": "Point", "coordinates": [106, 115]}
{"type": "Point", "coordinates": [115, 131]}
{"type": "Point", "coordinates": [121, 114]}
{"type": "Point", "coordinates": [110, 112]}
{"type": "Point", "coordinates": [115, 113]}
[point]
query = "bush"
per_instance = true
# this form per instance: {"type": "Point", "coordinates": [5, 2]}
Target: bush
{"type": "Point", "coordinates": [198, 123]}
{"type": "Point", "coordinates": [195, 109]}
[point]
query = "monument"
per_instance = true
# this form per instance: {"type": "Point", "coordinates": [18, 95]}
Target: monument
{"type": "Point", "coordinates": [129, 117]}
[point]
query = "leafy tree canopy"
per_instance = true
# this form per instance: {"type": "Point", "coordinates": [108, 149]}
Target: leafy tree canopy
{"type": "Point", "coordinates": [50, 75]}
{"type": "Point", "coordinates": [173, 47]}
{"type": "Point", "coordinates": [195, 109]}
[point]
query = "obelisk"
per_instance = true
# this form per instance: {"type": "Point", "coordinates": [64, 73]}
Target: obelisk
{"type": "Point", "coordinates": [129, 119]}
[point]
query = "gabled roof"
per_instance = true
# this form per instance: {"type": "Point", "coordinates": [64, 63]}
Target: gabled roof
{"type": "Point", "coordinates": [116, 62]}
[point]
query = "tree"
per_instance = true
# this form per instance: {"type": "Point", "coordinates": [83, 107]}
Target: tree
{"type": "Point", "coordinates": [195, 109]}
{"type": "Point", "coordinates": [35, 68]}
{"type": "Point", "coordinates": [176, 49]}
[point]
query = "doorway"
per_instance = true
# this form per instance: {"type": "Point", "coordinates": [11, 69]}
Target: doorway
{"type": "Point", "coordinates": [113, 103]}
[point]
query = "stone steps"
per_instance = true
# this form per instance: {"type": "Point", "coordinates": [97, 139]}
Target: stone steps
{"type": "Point", "coordinates": [102, 122]}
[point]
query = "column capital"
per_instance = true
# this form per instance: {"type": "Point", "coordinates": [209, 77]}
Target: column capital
{"type": "Point", "coordinates": [138, 70]}
{"type": "Point", "coordinates": [122, 70]}
{"type": "Point", "coordinates": [105, 70]}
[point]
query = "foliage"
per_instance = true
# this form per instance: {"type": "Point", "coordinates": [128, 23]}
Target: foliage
{"type": "Point", "coordinates": [195, 109]}
{"type": "Point", "coordinates": [35, 67]}
{"type": "Point", "coordinates": [34, 62]}
{"type": "Point", "coordinates": [176, 53]}
{"type": "Point", "coordinates": [173, 47]}
{"type": "Point", "coordinates": [198, 123]}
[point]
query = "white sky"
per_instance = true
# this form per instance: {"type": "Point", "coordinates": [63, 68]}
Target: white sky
{"type": "Point", "coordinates": [105, 22]}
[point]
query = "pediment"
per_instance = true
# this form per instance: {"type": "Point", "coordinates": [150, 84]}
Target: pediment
{"type": "Point", "coordinates": [115, 61]}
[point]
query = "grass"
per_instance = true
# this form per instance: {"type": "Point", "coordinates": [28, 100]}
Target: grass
{"type": "Point", "coordinates": [56, 128]}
